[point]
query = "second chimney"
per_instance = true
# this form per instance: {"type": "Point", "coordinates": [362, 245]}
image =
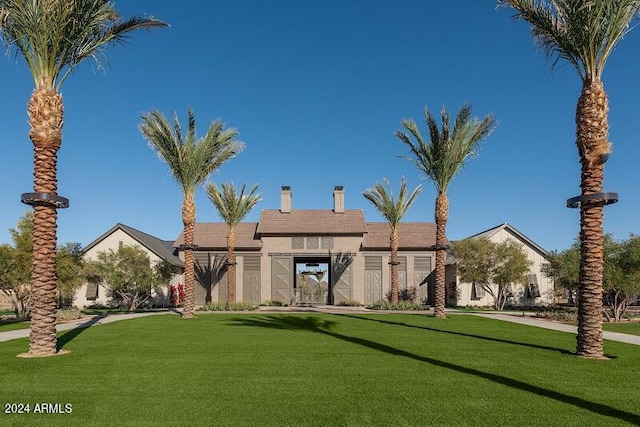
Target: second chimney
{"type": "Point", "coordinates": [338, 199]}
{"type": "Point", "coordinates": [285, 199]}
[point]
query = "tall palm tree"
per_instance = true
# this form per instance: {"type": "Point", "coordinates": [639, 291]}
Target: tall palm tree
{"type": "Point", "coordinates": [393, 211]}
{"type": "Point", "coordinates": [54, 37]}
{"type": "Point", "coordinates": [440, 159]}
{"type": "Point", "coordinates": [232, 207]}
{"type": "Point", "coordinates": [191, 160]}
{"type": "Point", "coordinates": [584, 33]}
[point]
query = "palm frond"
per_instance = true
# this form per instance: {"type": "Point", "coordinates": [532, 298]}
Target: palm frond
{"type": "Point", "coordinates": [232, 206]}
{"type": "Point", "coordinates": [446, 152]}
{"type": "Point", "coordinates": [582, 32]}
{"type": "Point", "coordinates": [190, 159]}
{"type": "Point", "coordinates": [55, 36]}
{"type": "Point", "coordinates": [392, 209]}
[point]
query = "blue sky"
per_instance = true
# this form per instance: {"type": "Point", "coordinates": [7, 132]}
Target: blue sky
{"type": "Point", "coordinates": [316, 90]}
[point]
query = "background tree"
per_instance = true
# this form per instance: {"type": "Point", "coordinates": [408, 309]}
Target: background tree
{"type": "Point", "coordinates": [15, 266]}
{"type": "Point", "coordinates": [191, 160]}
{"type": "Point", "coordinates": [393, 211]}
{"type": "Point", "coordinates": [128, 274]}
{"type": "Point", "coordinates": [233, 208]}
{"type": "Point", "coordinates": [54, 37]}
{"type": "Point", "coordinates": [584, 33]}
{"type": "Point", "coordinates": [564, 268]}
{"type": "Point", "coordinates": [495, 267]}
{"type": "Point", "coordinates": [621, 274]}
{"type": "Point", "coordinates": [12, 282]}
{"type": "Point", "coordinates": [440, 159]}
{"type": "Point", "coordinates": [68, 267]}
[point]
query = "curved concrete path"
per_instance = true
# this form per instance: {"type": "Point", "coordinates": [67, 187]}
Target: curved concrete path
{"type": "Point", "coordinates": [84, 322]}
{"type": "Point", "coordinates": [524, 320]}
{"type": "Point", "coordinates": [549, 324]}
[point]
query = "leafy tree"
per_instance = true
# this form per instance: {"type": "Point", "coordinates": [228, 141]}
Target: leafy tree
{"type": "Point", "coordinates": [621, 275]}
{"type": "Point", "coordinates": [191, 160]}
{"type": "Point", "coordinates": [440, 159]}
{"type": "Point", "coordinates": [128, 274]}
{"type": "Point", "coordinates": [16, 264]}
{"type": "Point", "coordinates": [12, 282]}
{"type": "Point", "coordinates": [495, 267]}
{"type": "Point", "coordinates": [584, 33]}
{"type": "Point", "coordinates": [393, 211]}
{"type": "Point", "coordinates": [68, 267]}
{"type": "Point", "coordinates": [54, 37]}
{"type": "Point", "coordinates": [232, 207]}
{"type": "Point", "coordinates": [564, 268]}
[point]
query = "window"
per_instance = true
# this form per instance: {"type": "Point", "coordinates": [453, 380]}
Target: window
{"type": "Point", "coordinates": [477, 292]}
{"type": "Point", "coordinates": [297, 243]}
{"type": "Point", "coordinates": [92, 291]}
{"type": "Point", "coordinates": [532, 290]}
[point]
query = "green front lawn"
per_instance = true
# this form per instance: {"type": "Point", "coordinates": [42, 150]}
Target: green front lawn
{"type": "Point", "coordinates": [632, 328]}
{"type": "Point", "coordinates": [322, 370]}
{"type": "Point", "coordinates": [12, 325]}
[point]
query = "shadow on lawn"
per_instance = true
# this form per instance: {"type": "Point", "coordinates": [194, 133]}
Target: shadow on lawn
{"type": "Point", "coordinates": [462, 334]}
{"type": "Point", "coordinates": [313, 324]}
{"type": "Point", "coordinates": [68, 336]}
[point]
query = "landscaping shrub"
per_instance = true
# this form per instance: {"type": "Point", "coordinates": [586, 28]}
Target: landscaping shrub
{"type": "Point", "coordinates": [561, 314]}
{"type": "Point", "coordinates": [409, 294]}
{"type": "Point", "coordinates": [70, 313]}
{"type": "Point", "coordinates": [236, 306]}
{"type": "Point", "coordinates": [400, 306]}
{"type": "Point", "coordinates": [349, 303]}
{"type": "Point", "coordinates": [272, 303]}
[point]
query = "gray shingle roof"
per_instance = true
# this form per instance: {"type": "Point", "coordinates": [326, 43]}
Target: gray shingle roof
{"type": "Point", "coordinates": [162, 248]}
{"type": "Point", "coordinates": [412, 235]}
{"type": "Point", "coordinates": [311, 221]}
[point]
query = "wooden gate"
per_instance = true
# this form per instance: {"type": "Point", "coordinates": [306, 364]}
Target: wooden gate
{"type": "Point", "coordinates": [372, 279]}
{"type": "Point", "coordinates": [251, 279]}
{"type": "Point", "coordinates": [281, 278]}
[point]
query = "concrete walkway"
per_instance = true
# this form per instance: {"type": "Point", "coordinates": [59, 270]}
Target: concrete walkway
{"type": "Point", "coordinates": [514, 318]}
{"type": "Point", "coordinates": [556, 326]}
{"type": "Point", "coordinates": [84, 322]}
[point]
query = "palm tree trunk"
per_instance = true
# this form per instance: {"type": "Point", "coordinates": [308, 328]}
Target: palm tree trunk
{"type": "Point", "coordinates": [45, 119]}
{"type": "Point", "coordinates": [442, 213]}
{"type": "Point", "coordinates": [592, 132]}
{"type": "Point", "coordinates": [393, 240]}
{"type": "Point", "coordinates": [189, 221]}
{"type": "Point", "coordinates": [231, 267]}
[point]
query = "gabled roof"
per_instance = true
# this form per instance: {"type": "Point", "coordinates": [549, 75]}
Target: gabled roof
{"type": "Point", "coordinates": [412, 235]}
{"type": "Point", "coordinates": [311, 221]}
{"type": "Point", "coordinates": [511, 229]}
{"type": "Point", "coordinates": [162, 248]}
{"type": "Point", "coordinates": [213, 235]}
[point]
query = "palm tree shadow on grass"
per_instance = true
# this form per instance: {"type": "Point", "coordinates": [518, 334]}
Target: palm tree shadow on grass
{"type": "Point", "coordinates": [315, 324]}
{"type": "Point", "coordinates": [462, 334]}
{"type": "Point", "coordinates": [71, 334]}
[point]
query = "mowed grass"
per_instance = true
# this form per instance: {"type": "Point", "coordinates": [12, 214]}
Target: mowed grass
{"type": "Point", "coordinates": [12, 325]}
{"type": "Point", "coordinates": [322, 370]}
{"type": "Point", "coordinates": [632, 328]}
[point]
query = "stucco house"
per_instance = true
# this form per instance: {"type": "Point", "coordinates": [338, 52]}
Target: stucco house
{"type": "Point", "coordinates": [285, 244]}
{"type": "Point", "coordinates": [538, 291]}
{"type": "Point", "coordinates": [315, 256]}
{"type": "Point", "coordinates": [122, 235]}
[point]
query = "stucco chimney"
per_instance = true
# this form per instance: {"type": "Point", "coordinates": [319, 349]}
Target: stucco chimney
{"type": "Point", "coordinates": [338, 199]}
{"type": "Point", "coordinates": [285, 199]}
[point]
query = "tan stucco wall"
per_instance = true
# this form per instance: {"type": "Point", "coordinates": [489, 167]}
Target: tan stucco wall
{"type": "Point", "coordinates": [545, 284]}
{"type": "Point", "coordinates": [112, 241]}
